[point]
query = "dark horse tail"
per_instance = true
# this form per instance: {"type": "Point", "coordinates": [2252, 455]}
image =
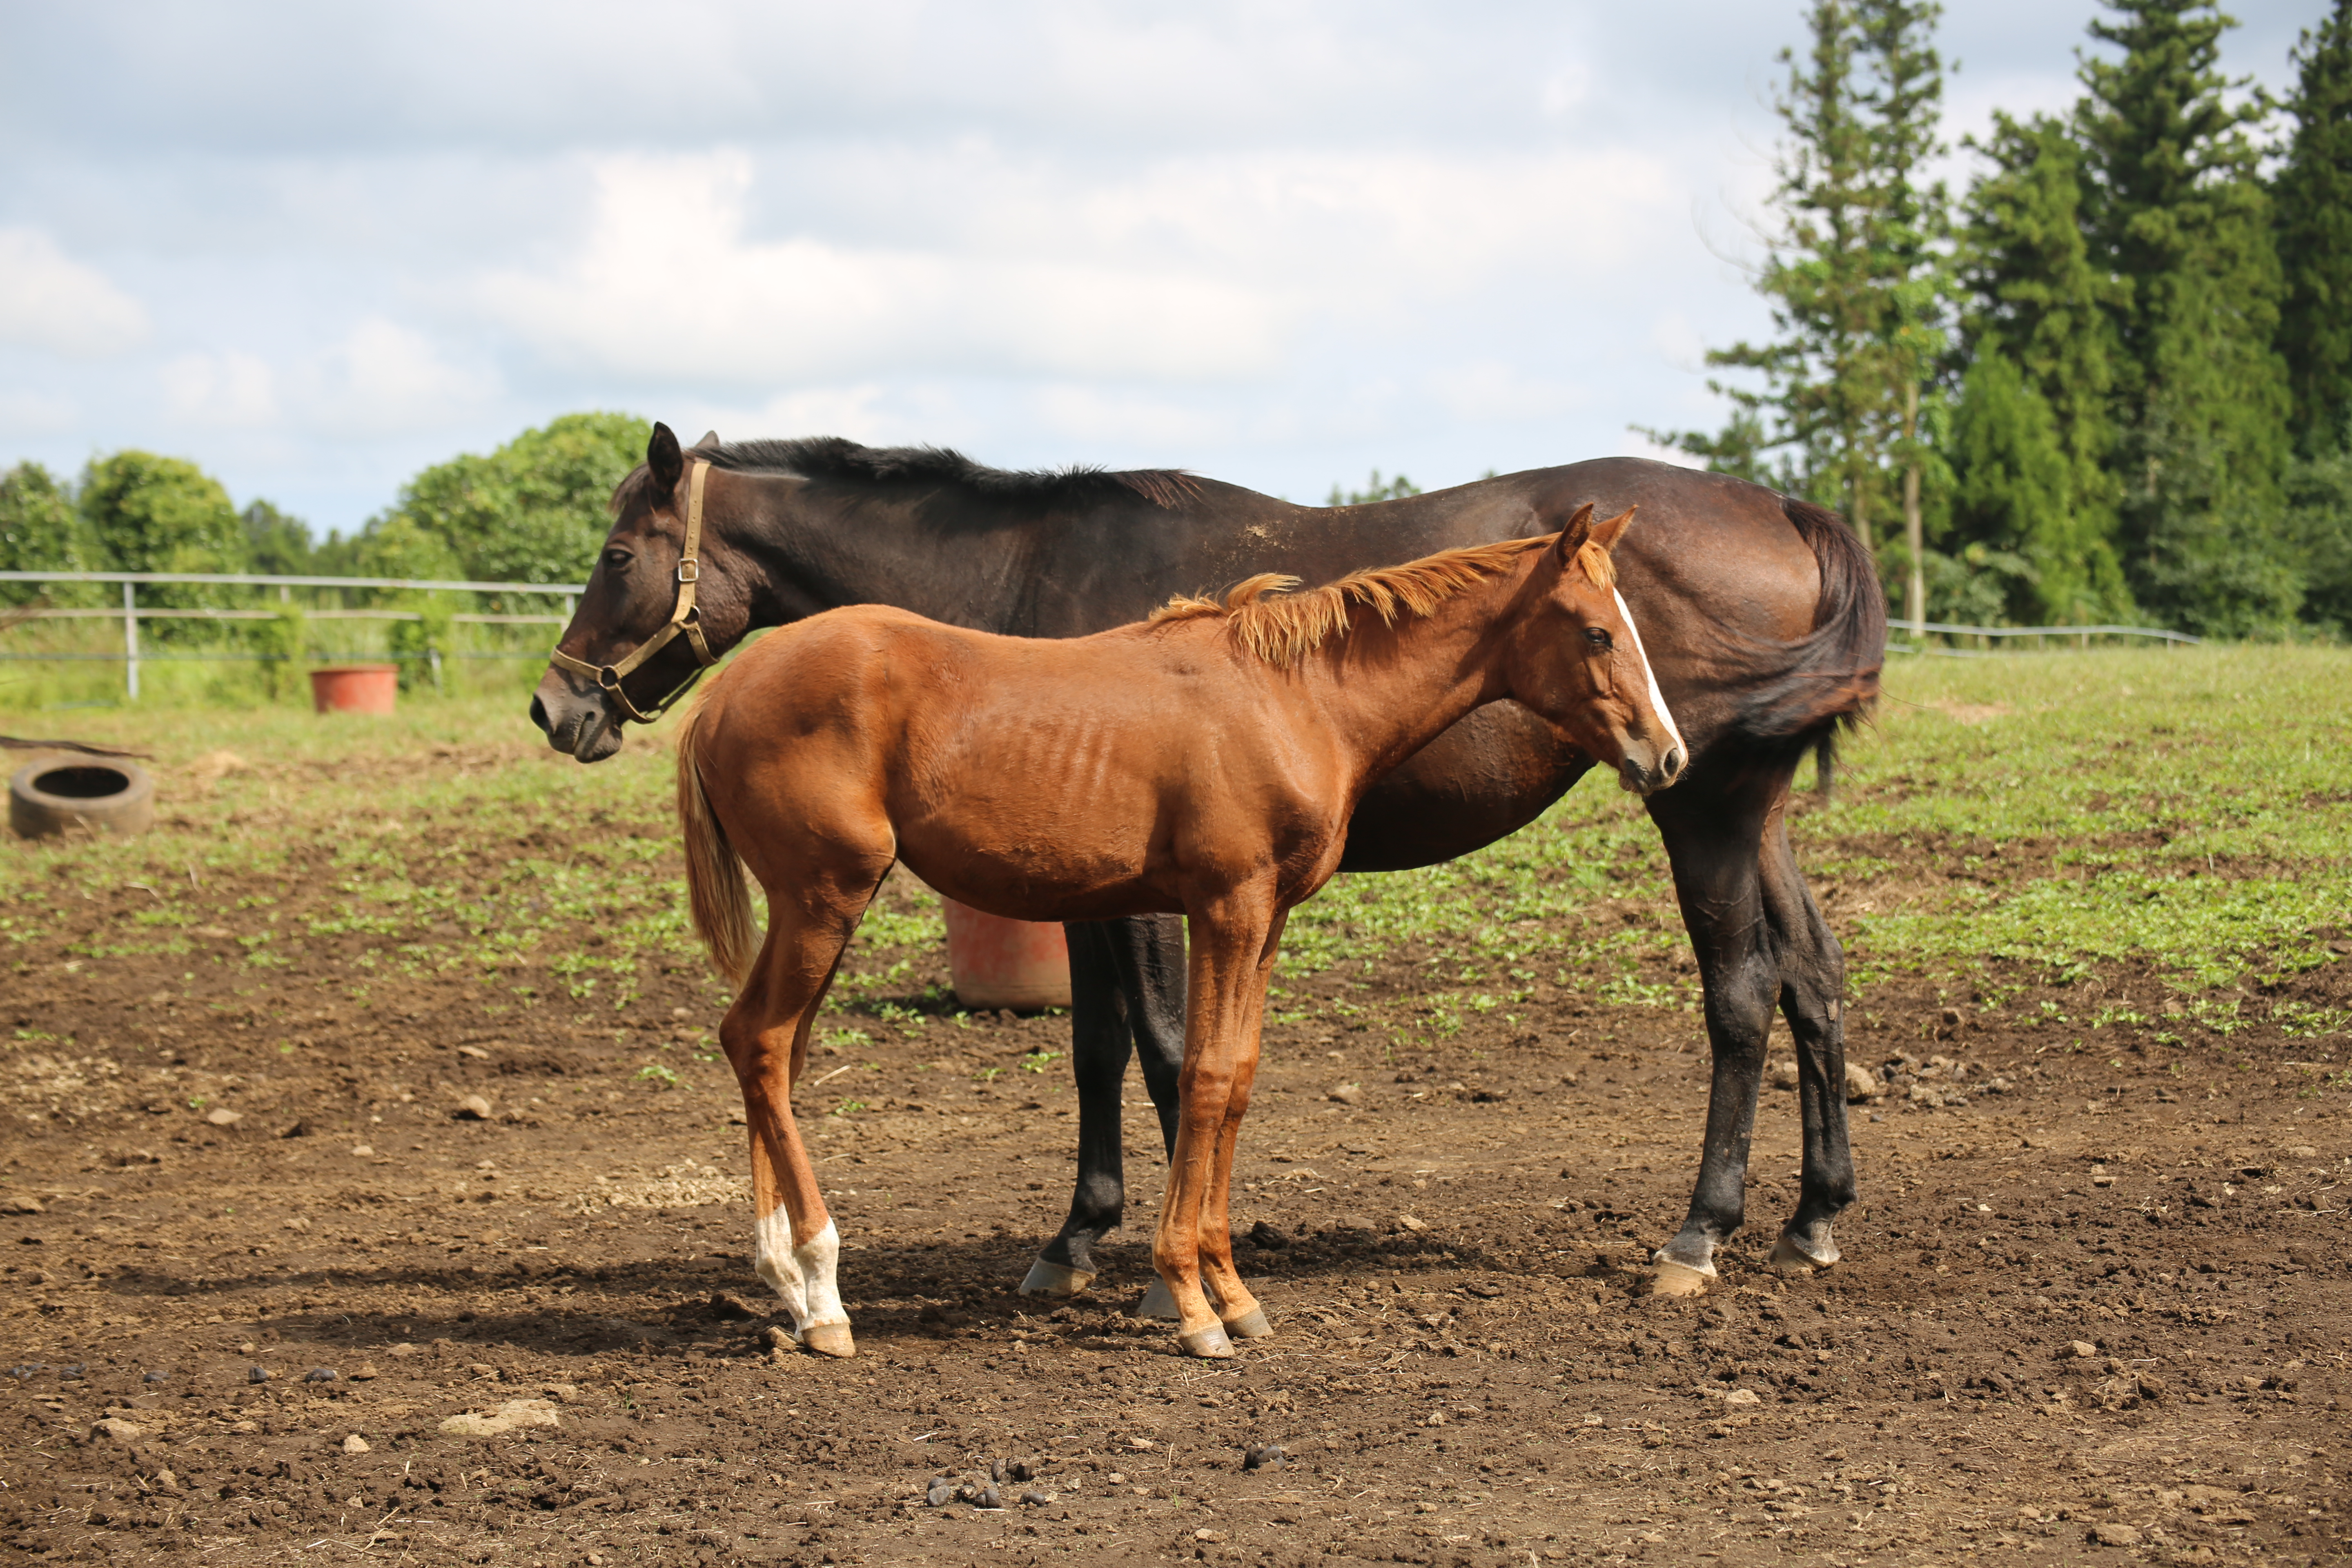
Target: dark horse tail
{"type": "Point", "coordinates": [1828, 680]}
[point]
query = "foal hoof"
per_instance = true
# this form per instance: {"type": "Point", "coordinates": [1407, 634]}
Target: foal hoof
{"type": "Point", "coordinates": [829, 1339]}
{"type": "Point", "coordinates": [1788, 1258]}
{"type": "Point", "coordinates": [1056, 1279]}
{"type": "Point", "coordinates": [1211, 1343]}
{"type": "Point", "coordinates": [1677, 1279]}
{"type": "Point", "coordinates": [1250, 1325]}
{"type": "Point", "coordinates": [1158, 1303]}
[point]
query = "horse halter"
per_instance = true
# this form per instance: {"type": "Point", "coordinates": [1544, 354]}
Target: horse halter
{"type": "Point", "coordinates": [684, 618]}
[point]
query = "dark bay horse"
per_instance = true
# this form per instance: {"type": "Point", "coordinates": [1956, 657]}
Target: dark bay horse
{"type": "Point", "coordinates": [1205, 762]}
{"type": "Point", "coordinates": [1762, 615]}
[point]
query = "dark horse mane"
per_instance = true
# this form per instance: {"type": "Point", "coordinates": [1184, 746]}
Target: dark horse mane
{"type": "Point", "coordinates": [830, 459]}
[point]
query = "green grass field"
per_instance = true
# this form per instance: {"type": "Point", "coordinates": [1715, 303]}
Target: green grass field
{"type": "Point", "coordinates": [2003, 821]}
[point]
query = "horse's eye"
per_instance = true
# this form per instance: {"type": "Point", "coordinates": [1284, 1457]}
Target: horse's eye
{"type": "Point", "coordinates": [617, 560]}
{"type": "Point", "coordinates": [1600, 638]}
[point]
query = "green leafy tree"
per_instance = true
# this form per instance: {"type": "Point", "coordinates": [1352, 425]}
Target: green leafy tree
{"type": "Point", "coordinates": [2319, 530]}
{"type": "Point", "coordinates": [533, 511]}
{"type": "Point", "coordinates": [2032, 433]}
{"type": "Point", "coordinates": [2312, 200]}
{"type": "Point", "coordinates": [279, 544]}
{"type": "Point", "coordinates": [42, 531]}
{"type": "Point", "coordinates": [161, 514]}
{"type": "Point", "coordinates": [2178, 212]}
{"type": "Point", "coordinates": [1376, 490]}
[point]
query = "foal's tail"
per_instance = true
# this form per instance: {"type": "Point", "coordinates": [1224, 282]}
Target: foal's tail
{"type": "Point", "coordinates": [1827, 680]}
{"type": "Point", "coordinates": [716, 888]}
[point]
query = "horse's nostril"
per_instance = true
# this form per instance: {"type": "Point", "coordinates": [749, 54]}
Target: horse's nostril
{"type": "Point", "coordinates": [538, 714]}
{"type": "Point", "coordinates": [1673, 763]}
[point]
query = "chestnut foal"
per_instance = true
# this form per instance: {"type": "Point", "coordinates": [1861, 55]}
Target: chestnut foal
{"type": "Point", "coordinates": [1205, 762]}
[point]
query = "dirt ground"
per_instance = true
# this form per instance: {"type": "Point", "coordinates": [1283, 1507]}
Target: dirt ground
{"type": "Point", "coordinates": [264, 1243]}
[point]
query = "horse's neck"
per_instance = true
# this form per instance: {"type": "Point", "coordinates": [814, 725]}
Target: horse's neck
{"type": "Point", "coordinates": [1395, 689]}
{"type": "Point", "coordinates": [810, 555]}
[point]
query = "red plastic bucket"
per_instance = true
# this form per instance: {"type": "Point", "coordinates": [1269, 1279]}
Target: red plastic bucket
{"type": "Point", "coordinates": [999, 962]}
{"type": "Point", "coordinates": [355, 688]}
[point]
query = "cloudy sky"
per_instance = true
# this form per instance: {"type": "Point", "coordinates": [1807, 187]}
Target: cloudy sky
{"type": "Point", "coordinates": [315, 247]}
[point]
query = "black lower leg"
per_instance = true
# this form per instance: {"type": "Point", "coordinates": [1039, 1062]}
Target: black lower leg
{"type": "Point", "coordinates": [1812, 987]}
{"type": "Point", "coordinates": [1101, 1044]}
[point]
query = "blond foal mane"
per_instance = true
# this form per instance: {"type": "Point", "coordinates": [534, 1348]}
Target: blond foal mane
{"type": "Point", "coordinates": [1281, 627]}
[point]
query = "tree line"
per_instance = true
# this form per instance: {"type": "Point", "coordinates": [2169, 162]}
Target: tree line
{"type": "Point", "coordinates": [2112, 380]}
{"type": "Point", "coordinates": [532, 511]}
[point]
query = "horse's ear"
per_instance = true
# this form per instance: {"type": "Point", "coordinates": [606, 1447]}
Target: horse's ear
{"type": "Point", "coordinates": [1572, 537]}
{"type": "Point", "coordinates": [662, 458]}
{"type": "Point", "coordinates": [709, 442]}
{"type": "Point", "coordinates": [1607, 534]}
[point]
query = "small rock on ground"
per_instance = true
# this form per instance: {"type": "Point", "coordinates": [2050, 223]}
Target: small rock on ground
{"type": "Point", "coordinates": [355, 1444]}
{"type": "Point", "coordinates": [507, 1417]}
{"type": "Point", "coordinates": [2115, 1534]}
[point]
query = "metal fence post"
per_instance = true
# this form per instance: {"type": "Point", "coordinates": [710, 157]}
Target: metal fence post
{"type": "Point", "coordinates": [131, 637]}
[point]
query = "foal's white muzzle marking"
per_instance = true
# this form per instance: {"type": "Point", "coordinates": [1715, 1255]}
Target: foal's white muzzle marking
{"type": "Point", "coordinates": [1658, 698]}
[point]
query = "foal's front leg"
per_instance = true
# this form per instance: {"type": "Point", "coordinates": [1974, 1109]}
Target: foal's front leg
{"type": "Point", "coordinates": [1220, 1040]}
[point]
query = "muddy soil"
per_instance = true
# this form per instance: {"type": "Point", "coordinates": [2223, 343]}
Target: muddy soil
{"type": "Point", "coordinates": [288, 1273]}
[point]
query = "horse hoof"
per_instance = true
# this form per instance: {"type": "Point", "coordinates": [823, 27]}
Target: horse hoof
{"type": "Point", "coordinates": [1250, 1325]}
{"type": "Point", "coordinates": [1788, 1258]}
{"type": "Point", "coordinates": [1677, 1279]}
{"type": "Point", "coordinates": [1056, 1279]}
{"type": "Point", "coordinates": [1158, 1303]}
{"type": "Point", "coordinates": [829, 1339]}
{"type": "Point", "coordinates": [1211, 1343]}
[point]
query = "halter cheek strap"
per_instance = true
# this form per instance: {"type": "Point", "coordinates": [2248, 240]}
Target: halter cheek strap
{"type": "Point", "coordinates": [684, 620]}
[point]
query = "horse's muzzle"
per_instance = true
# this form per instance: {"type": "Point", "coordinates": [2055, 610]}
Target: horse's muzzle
{"type": "Point", "coordinates": [1644, 771]}
{"type": "Point", "coordinates": [580, 727]}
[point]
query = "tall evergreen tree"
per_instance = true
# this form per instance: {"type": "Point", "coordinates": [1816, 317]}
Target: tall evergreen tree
{"type": "Point", "coordinates": [2178, 212]}
{"type": "Point", "coordinates": [1855, 279]}
{"type": "Point", "coordinates": [2313, 198]}
{"type": "Point", "coordinates": [2032, 430]}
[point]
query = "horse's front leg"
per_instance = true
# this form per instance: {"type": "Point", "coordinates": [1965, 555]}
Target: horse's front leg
{"type": "Point", "coordinates": [1242, 1315]}
{"type": "Point", "coordinates": [1813, 995]}
{"type": "Point", "coordinates": [1713, 829]}
{"type": "Point", "coordinates": [1229, 942]}
{"type": "Point", "coordinates": [1111, 1008]}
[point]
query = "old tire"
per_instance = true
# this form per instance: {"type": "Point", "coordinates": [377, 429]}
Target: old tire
{"type": "Point", "coordinates": [53, 797]}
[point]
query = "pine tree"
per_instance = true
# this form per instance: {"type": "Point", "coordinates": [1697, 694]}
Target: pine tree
{"type": "Point", "coordinates": [1855, 281]}
{"type": "Point", "coordinates": [2312, 200]}
{"type": "Point", "coordinates": [2033, 432]}
{"type": "Point", "coordinates": [2178, 212]}
{"type": "Point", "coordinates": [1910, 221]}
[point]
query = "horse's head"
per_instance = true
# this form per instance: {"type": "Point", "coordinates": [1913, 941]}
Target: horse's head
{"type": "Point", "coordinates": [1581, 666]}
{"type": "Point", "coordinates": [637, 639]}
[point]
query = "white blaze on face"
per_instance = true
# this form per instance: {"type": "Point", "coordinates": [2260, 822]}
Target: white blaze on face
{"type": "Point", "coordinates": [1658, 698]}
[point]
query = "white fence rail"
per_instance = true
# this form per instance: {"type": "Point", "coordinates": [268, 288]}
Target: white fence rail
{"type": "Point", "coordinates": [132, 613]}
{"type": "Point", "coordinates": [2083, 636]}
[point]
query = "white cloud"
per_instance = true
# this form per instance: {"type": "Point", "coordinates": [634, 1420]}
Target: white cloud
{"type": "Point", "coordinates": [48, 300]}
{"type": "Point", "coordinates": [34, 414]}
{"type": "Point", "coordinates": [383, 378]}
{"type": "Point", "coordinates": [667, 286]}
{"type": "Point", "coordinates": [223, 391]}
{"type": "Point", "coordinates": [1488, 390]}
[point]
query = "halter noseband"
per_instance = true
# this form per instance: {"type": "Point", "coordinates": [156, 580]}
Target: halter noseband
{"type": "Point", "coordinates": [684, 618]}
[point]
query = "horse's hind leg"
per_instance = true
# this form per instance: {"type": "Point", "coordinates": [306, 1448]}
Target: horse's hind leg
{"type": "Point", "coordinates": [1812, 991]}
{"type": "Point", "coordinates": [1125, 991]}
{"type": "Point", "coordinates": [765, 1035]}
{"type": "Point", "coordinates": [1713, 827]}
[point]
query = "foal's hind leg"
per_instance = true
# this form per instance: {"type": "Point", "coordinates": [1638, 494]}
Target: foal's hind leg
{"type": "Point", "coordinates": [1126, 995]}
{"type": "Point", "coordinates": [1713, 827]}
{"type": "Point", "coordinates": [1812, 991]}
{"type": "Point", "coordinates": [765, 1035]}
